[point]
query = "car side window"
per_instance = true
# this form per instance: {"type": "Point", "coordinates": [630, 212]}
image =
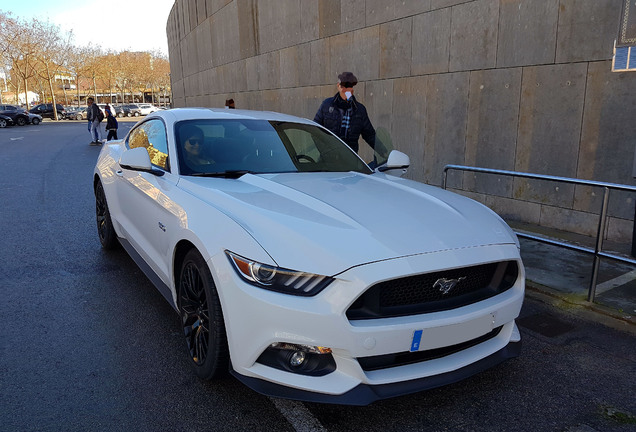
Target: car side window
{"type": "Point", "coordinates": [303, 143]}
{"type": "Point", "coordinates": [152, 136]}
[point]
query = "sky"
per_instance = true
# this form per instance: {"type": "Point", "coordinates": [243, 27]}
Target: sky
{"type": "Point", "coordinates": [117, 25]}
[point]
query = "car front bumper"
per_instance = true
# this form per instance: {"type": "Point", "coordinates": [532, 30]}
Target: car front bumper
{"type": "Point", "coordinates": [364, 394]}
{"type": "Point", "coordinates": [256, 318]}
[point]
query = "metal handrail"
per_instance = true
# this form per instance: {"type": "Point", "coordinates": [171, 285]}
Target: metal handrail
{"type": "Point", "coordinates": [598, 249]}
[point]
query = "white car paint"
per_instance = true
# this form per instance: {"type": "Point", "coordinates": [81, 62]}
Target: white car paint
{"type": "Point", "coordinates": [360, 229]}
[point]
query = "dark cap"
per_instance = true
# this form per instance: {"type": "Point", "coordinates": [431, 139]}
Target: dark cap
{"type": "Point", "coordinates": [348, 77]}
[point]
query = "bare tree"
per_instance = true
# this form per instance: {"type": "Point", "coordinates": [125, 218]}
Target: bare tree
{"type": "Point", "coordinates": [92, 68]}
{"type": "Point", "coordinates": [107, 66]}
{"type": "Point", "coordinates": [51, 56]}
{"type": "Point", "coordinates": [161, 75]}
{"type": "Point", "coordinates": [77, 60]}
{"type": "Point", "coordinates": [19, 45]}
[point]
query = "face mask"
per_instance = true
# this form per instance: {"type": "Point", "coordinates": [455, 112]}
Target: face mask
{"type": "Point", "coordinates": [348, 95]}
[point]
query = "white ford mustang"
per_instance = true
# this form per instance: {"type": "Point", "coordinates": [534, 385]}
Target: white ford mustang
{"type": "Point", "coordinates": [301, 270]}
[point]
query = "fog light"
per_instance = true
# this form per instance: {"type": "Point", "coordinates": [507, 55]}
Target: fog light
{"type": "Point", "coordinates": [297, 359]}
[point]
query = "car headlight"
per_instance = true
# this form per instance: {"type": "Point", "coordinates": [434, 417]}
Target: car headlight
{"type": "Point", "coordinates": [278, 279]}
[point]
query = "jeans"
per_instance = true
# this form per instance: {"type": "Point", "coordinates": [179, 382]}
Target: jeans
{"type": "Point", "coordinates": [96, 133]}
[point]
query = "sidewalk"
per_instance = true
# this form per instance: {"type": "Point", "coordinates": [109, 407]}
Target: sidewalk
{"type": "Point", "coordinates": [562, 276]}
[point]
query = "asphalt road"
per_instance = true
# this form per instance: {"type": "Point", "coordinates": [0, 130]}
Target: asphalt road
{"type": "Point", "coordinates": [87, 343]}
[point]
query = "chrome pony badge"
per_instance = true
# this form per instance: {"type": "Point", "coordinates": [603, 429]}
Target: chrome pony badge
{"type": "Point", "coordinates": [446, 285]}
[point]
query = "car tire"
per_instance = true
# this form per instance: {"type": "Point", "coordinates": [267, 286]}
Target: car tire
{"type": "Point", "coordinates": [105, 230]}
{"type": "Point", "coordinates": [79, 117]}
{"type": "Point", "coordinates": [3, 123]}
{"type": "Point", "coordinates": [35, 121]}
{"type": "Point", "coordinates": [202, 318]}
{"type": "Point", "coordinates": [136, 114]}
{"type": "Point", "coordinates": [20, 121]}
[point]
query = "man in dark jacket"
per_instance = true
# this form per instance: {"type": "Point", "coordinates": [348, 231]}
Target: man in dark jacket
{"type": "Point", "coordinates": [345, 116]}
{"type": "Point", "coordinates": [93, 113]}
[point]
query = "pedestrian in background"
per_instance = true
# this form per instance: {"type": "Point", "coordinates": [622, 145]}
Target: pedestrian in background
{"type": "Point", "coordinates": [229, 104]}
{"type": "Point", "coordinates": [111, 123]}
{"type": "Point", "coordinates": [345, 116]}
{"type": "Point", "coordinates": [95, 116]}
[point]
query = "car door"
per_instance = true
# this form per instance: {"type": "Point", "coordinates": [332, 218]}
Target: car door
{"type": "Point", "coordinates": [148, 213]}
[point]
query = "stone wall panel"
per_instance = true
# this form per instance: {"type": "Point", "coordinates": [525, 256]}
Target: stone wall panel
{"type": "Point", "coordinates": [395, 48]}
{"type": "Point", "coordinates": [431, 42]}
{"type": "Point", "coordinates": [474, 35]}
{"type": "Point", "coordinates": [409, 121]}
{"type": "Point", "coordinates": [247, 11]}
{"type": "Point", "coordinates": [445, 120]}
{"type": "Point", "coordinates": [320, 61]}
{"type": "Point", "coordinates": [550, 121]}
{"type": "Point", "coordinates": [405, 8]}
{"type": "Point", "coordinates": [491, 136]}
{"type": "Point", "coordinates": [309, 13]}
{"type": "Point", "coordinates": [352, 15]}
{"type": "Point", "coordinates": [587, 29]}
{"type": "Point", "coordinates": [329, 19]}
{"type": "Point", "coordinates": [609, 128]}
{"type": "Point", "coordinates": [522, 21]}
{"type": "Point", "coordinates": [365, 60]}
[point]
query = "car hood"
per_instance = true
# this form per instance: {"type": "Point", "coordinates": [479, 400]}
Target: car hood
{"type": "Point", "coordinates": [328, 222]}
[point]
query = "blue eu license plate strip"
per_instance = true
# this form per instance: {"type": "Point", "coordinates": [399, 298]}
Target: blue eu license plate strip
{"type": "Point", "coordinates": [417, 338]}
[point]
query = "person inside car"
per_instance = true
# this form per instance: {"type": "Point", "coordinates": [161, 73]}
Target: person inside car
{"type": "Point", "coordinates": [192, 140]}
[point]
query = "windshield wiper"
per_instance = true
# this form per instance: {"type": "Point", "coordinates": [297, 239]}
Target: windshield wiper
{"type": "Point", "coordinates": [233, 174]}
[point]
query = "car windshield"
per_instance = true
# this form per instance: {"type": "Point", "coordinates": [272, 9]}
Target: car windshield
{"type": "Point", "coordinates": [230, 147]}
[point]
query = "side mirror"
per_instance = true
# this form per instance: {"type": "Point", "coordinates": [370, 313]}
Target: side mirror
{"type": "Point", "coordinates": [137, 159]}
{"type": "Point", "coordinates": [397, 164]}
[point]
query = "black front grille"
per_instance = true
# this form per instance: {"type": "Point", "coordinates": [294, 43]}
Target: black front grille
{"type": "Point", "coordinates": [433, 292]}
{"type": "Point", "coordinates": [405, 358]}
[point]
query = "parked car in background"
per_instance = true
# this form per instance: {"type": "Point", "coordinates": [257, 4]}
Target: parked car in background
{"type": "Point", "coordinates": [46, 111]}
{"type": "Point", "coordinates": [70, 110]}
{"type": "Point", "coordinates": [77, 114]}
{"type": "Point", "coordinates": [34, 119]}
{"type": "Point", "coordinates": [123, 110]}
{"type": "Point", "coordinates": [119, 111]}
{"type": "Point", "coordinates": [132, 110]}
{"type": "Point", "coordinates": [17, 114]}
{"type": "Point", "coordinates": [147, 108]}
{"type": "Point", "coordinates": [5, 121]}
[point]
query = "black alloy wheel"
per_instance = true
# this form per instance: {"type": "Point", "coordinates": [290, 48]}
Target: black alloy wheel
{"type": "Point", "coordinates": [20, 121]}
{"type": "Point", "coordinates": [202, 318]}
{"type": "Point", "coordinates": [105, 230]}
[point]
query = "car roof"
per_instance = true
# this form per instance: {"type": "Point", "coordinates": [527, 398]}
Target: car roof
{"type": "Point", "coordinates": [180, 114]}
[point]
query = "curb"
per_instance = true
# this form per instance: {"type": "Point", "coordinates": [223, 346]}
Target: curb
{"type": "Point", "coordinates": [578, 306]}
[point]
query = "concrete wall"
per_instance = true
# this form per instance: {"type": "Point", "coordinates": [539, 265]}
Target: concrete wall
{"type": "Point", "coordinates": [519, 85]}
